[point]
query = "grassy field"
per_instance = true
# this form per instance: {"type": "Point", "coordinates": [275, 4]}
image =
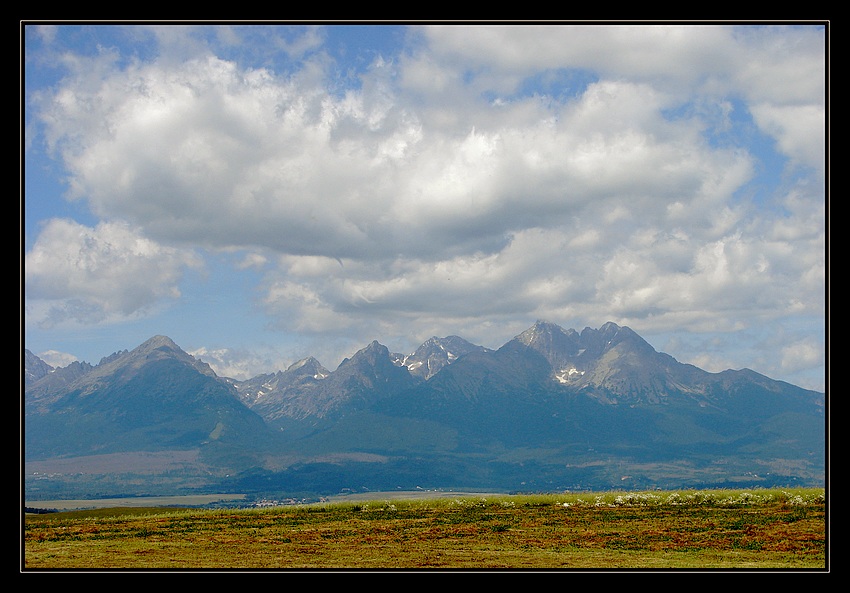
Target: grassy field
{"type": "Point", "coordinates": [692, 530]}
{"type": "Point", "coordinates": [133, 501]}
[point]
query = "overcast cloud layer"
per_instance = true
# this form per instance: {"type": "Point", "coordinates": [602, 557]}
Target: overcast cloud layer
{"type": "Point", "coordinates": [460, 180]}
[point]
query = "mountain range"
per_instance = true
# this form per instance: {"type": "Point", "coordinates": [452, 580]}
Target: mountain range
{"type": "Point", "coordinates": [552, 409]}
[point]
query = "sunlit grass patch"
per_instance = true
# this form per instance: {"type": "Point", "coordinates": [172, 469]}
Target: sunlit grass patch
{"type": "Point", "coordinates": [695, 529]}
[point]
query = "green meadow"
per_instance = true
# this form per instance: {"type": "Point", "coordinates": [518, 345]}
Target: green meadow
{"type": "Point", "coordinates": [688, 530]}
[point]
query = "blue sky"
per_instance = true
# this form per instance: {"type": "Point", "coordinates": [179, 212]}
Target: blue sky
{"type": "Point", "coordinates": [264, 192]}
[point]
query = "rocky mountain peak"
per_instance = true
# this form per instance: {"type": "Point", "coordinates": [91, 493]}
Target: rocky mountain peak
{"type": "Point", "coordinates": [557, 345]}
{"type": "Point", "coordinates": [435, 354]}
{"type": "Point", "coordinates": [540, 331]}
{"type": "Point", "coordinates": [371, 355]}
{"type": "Point", "coordinates": [34, 367]}
{"type": "Point", "coordinates": [308, 366]}
{"type": "Point", "coordinates": [157, 347]}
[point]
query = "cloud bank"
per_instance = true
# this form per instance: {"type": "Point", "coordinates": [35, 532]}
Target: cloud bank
{"type": "Point", "coordinates": [480, 177]}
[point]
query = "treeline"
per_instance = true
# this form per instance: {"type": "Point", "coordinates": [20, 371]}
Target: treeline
{"type": "Point", "coordinates": [36, 511]}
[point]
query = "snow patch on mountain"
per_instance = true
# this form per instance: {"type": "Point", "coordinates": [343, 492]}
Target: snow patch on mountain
{"type": "Point", "coordinates": [568, 374]}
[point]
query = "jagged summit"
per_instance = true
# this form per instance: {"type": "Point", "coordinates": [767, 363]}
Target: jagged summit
{"type": "Point", "coordinates": [550, 340]}
{"type": "Point", "coordinates": [612, 359]}
{"type": "Point", "coordinates": [154, 397]}
{"type": "Point", "coordinates": [373, 353]}
{"type": "Point", "coordinates": [435, 354]}
{"type": "Point", "coordinates": [34, 368]}
{"type": "Point", "coordinates": [158, 347]}
{"type": "Point", "coordinates": [157, 342]}
{"type": "Point", "coordinates": [309, 366]}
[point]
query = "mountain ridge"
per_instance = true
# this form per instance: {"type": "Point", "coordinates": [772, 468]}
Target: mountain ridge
{"type": "Point", "coordinates": [160, 342]}
{"type": "Point", "coordinates": [549, 408]}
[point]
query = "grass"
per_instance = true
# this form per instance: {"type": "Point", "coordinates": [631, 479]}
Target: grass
{"type": "Point", "coordinates": [761, 529]}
